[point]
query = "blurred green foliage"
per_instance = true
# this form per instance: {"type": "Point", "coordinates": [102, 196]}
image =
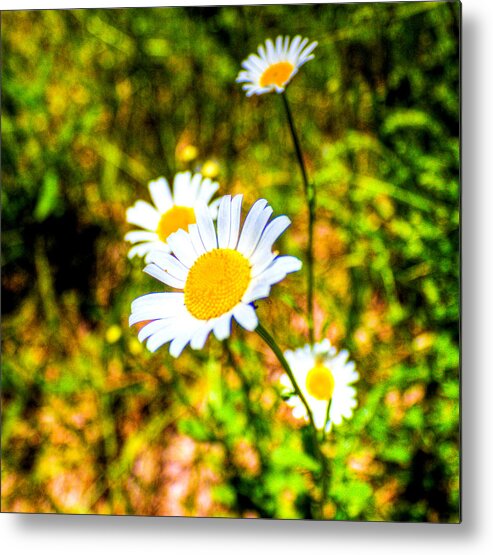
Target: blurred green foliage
{"type": "Point", "coordinates": [97, 102]}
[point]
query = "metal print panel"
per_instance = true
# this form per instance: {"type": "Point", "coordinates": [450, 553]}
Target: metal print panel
{"type": "Point", "coordinates": [230, 261]}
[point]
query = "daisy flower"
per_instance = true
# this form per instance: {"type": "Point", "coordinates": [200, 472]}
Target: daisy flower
{"type": "Point", "coordinates": [323, 376]}
{"type": "Point", "coordinates": [171, 211]}
{"type": "Point", "coordinates": [218, 274]}
{"type": "Point", "coordinates": [275, 65]}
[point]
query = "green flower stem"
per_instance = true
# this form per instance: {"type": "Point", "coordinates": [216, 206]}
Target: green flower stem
{"type": "Point", "coordinates": [327, 418]}
{"type": "Point", "coordinates": [327, 476]}
{"type": "Point", "coordinates": [309, 191]}
{"type": "Point", "coordinates": [267, 337]}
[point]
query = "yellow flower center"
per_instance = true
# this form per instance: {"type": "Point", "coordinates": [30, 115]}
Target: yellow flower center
{"type": "Point", "coordinates": [216, 283]}
{"type": "Point", "coordinates": [276, 74]}
{"type": "Point", "coordinates": [177, 217]}
{"type": "Point", "coordinates": [320, 382]}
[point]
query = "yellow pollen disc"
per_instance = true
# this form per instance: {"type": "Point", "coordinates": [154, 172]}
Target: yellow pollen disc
{"type": "Point", "coordinates": [177, 217]}
{"type": "Point", "coordinates": [320, 382]}
{"type": "Point", "coordinates": [276, 74]}
{"type": "Point", "coordinates": [216, 283]}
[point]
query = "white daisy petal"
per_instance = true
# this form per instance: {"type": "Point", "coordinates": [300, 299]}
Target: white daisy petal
{"type": "Point", "coordinates": [156, 246]}
{"type": "Point", "coordinates": [161, 194]}
{"type": "Point", "coordinates": [139, 236]}
{"type": "Point", "coordinates": [253, 62]}
{"type": "Point", "coordinates": [246, 316]}
{"type": "Point", "coordinates": [319, 418]}
{"type": "Point", "coordinates": [299, 411]}
{"type": "Point", "coordinates": [197, 244]}
{"type": "Point", "coordinates": [276, 227]}
{"type": "Point", "coordinates": [271, 54]}
{"type": "Point", "coordinates": [206, 227]}
{"type": "Point", "coordinates": [194, 189]}
{"type": "Point", "coordinates": [180, 341]}
{"type": "Point", "coordinates": [222, 327]}
{"type": "Point", "coordinates": [251, 67]}
{"type": "Point", "coordinates": [224, 222]}
{"type": "Point", "coordinates": [214, 207]}
{"type": "Point", "coordinates": [235, 221]}
{"type": "Point", "coordinates": [144, 249]}
{"type": "Point", "coordinates": [172, 299]}
{"type": "Point", "coordinates": [152, 328]}
{"type": "Point", "coordinates": [143, 215]}
{"type": "Point", "coordinates": [180, 243]}
{"type": "Point", "coordinates": [162, 304]}
{"type": "Point", "coordinates": [147, 314]}
{"type": "Point", "coordinates": [169, 263]}
{"type": "Point", "coordinates": [301, 46]}
{"type": "Point", "coordinates": [262, 54]}
{"type": "Point", "coordinates": [243, 76]}
{"type": "Point", "coordinates": [181, 185]}
{"type": "Point", "coordinates": [322, 347]}
{"type": "Point", "coordinates": [200, 336]}
{"type": "Point", "coordinates": [285, 47]}
{"type": "Point", "coordinates": [207, 190]}
{"type": "Point", "coordinates": [294, 45]}
{"type": "Point", "coordinates": [256, 291]}
{"type": "Point", "coordinates": [281, 266]}
{"type": "Point", "coordinates": [279, 45]}
{"type": "Point", "coordinates": [155, 271]}
{"type": "Point", "coordinates": [161, 337]}
{"type": "Point", "coordinates": [261, 63]}
{"type": "Point", "coordinates": [307, 53]}
{"type": "Point", "coordinates": [253, 227]}
{"type": "Point", "coordinates": [265, 261]}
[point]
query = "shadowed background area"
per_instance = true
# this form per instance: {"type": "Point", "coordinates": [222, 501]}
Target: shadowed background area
{"type": "Point", "coordinates": [95, 103]}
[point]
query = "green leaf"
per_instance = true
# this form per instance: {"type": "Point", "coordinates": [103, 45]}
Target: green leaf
{"type": "Point", "coordinates": [194, 429]}
{"type": "Point", "coordinates": [359, 495]}
{"type": "Point", "coordinates": [287, 457]}
{"type": "Point", "coordinates": [397, 453]}
{"type": "Point", "coordinates": [224, 494]}
{"type": "Point", "coordinates": [48, 196]}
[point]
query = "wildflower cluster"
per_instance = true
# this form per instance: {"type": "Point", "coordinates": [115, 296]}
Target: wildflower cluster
{"type": "Point", "coordinates": [217, 266]}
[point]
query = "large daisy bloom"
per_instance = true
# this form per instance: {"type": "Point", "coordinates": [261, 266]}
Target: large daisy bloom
{"type": "Point", "coordinates": [172, 210]}
{"type": "Point", "coordinates": [324, 376]}
{"type": "Point", "coordinates": [275, 65]}
{"type": "Point", "coordinates": [217, 274]}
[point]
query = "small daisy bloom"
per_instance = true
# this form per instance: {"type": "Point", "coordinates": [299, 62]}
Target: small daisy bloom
{"type": "Point", "coordinates": [275, 65]}
{"type": "Point", "coordinates": [171, 211]}
{"type": "Point", "coordinates": [218, 273]}
{"type": "Point", "coordinates": [324, 376]}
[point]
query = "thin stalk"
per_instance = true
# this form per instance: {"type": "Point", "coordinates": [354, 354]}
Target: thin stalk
{"type": "Point", "coordinates": [267, 337]}
{"type": "Point", "coordinates": [327, 417]}
{"type": "Point", "coordinates": [270, 341]}
{"type": "Point", "coordinates": [309, 191]}
{"type": "Point", "coordinates": [327, 476]}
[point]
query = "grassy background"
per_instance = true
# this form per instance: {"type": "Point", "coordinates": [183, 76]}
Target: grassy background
{"type": "Point", "coordinates": [97, 102]}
